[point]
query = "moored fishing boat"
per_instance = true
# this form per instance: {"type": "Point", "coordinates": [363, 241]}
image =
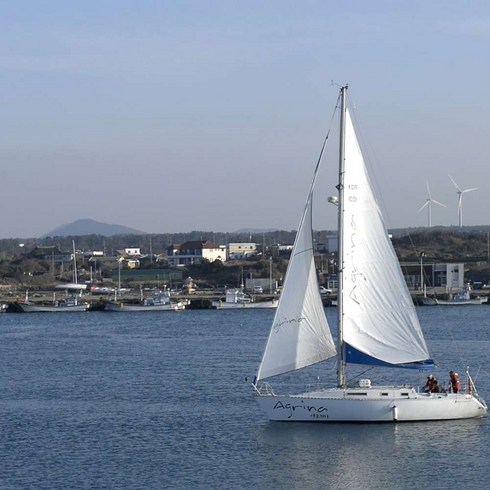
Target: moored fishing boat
{"type": "Point", "coordinates": [237, 299]}
{"type": "Point", "coordinates": [70, 304]}
{"type": "Point", "coordinates": [460, 298]}
{"type": "Point", "coordinates": [159, 301]}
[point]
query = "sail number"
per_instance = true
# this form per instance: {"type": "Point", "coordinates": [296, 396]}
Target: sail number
{"type": "Point", "coordinates": [352, 187]}
{"type": "Point", "coordinates": [319, 416]}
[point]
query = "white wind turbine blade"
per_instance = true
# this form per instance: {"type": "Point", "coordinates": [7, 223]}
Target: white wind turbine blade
{"type": "Point", "coordinates": [428, 203]}
{"type": "Point", "coordinates": [460, 193]}
{"type": "Point", "coordinates": [455, 185]}
{"type": "Point", "coordinates": [437, 202]}
{"type": "Point", "coordinates": [424, 205]}
{"type": "Point", "coordinates": [469, 190]}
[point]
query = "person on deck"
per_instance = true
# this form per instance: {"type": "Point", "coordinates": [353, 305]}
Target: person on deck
{"type": "Point", "coordinates": [455, 383]}
{"type": "Point", "coordinates": [435, 387]}
{"type": "Point", "coordinates": [430, 384]}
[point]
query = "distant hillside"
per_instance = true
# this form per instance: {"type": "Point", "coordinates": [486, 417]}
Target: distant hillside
{"type": "Point", "coordinates": [255, 230]}
{"type": "Point", "coordinates": [398, 232]}
{"type": "Point", "coordinates": [91, 227]}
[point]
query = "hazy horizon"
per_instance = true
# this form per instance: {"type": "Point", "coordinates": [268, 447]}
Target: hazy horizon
{"type": "Point", "coordinates": [210, 115]}
{"type": "Point", "coordinates": [251, 231]}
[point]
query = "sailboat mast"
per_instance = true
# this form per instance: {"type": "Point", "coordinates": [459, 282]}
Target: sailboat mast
{"type": "Point", "coordinates": [75, 276]}
{"type": "Point", "coordinates": [340, 344]}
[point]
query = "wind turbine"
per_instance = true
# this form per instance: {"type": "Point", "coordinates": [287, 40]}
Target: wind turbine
{"type": "Point", "coordinates": [460, 193]}
{"type": "Point", "coordinates": [428, 205]}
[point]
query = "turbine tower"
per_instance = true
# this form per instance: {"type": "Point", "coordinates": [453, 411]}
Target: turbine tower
{"type": "Point", "coordinates": [460, 193]}
{"type": "Point", "coordinates": [428, 205]}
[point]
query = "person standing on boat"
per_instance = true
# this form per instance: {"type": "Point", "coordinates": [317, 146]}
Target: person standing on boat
{"type": "Point", "coordinates": [455, 383]}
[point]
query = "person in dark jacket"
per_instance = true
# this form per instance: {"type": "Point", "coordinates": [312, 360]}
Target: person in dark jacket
{"type": "Point", "coordinates": [429, 386]}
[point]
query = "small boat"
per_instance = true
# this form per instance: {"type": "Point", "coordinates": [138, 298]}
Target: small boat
{"type": "Point", "coordinates": [237, 299]}
{"type": "Point", "coordinates": [459, 298]}
{"type": "Point", "coordinates": [70, 304]}
{"type": "Point", "coordinates": [160, 301]}
{"type": "Point", "coordinates": [427, 301]}
{"type": "Point", "coordinates": [371, 332]}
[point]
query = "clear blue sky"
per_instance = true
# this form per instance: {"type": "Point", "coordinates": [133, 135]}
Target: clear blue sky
{"type": "Point", "coordinates": [175, 116]}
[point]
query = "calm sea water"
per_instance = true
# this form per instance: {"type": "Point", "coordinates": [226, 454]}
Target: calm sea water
{"type": "Point", "coordinates": [159, 400]}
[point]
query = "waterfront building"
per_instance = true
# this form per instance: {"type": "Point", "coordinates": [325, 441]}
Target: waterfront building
{"type": "Point", "coordinates": [194, 252]}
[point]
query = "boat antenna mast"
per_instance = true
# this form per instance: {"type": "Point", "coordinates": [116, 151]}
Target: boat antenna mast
{"type": "Point", "coordinates": [341, 379]}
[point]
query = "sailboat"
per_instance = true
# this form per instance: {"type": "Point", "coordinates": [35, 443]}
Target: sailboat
{"type": "Point", "coordinates": [72, 302]}
{"type": "Point", "coordinates": [377, 322]}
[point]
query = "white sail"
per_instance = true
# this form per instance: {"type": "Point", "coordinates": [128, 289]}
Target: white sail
{"type": "Point", "coordinates": [300, 335]}
{"type": "Point", "coordinates": [379, 315]}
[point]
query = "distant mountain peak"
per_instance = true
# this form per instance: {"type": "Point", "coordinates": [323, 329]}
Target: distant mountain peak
{"type": "Point", "coordinates": [88, 226]}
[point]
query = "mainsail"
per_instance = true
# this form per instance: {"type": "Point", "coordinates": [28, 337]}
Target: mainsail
{"type": "Point", "coordinates": [379, 318]}
{"type": "Point", "coordinates": [300, 335]}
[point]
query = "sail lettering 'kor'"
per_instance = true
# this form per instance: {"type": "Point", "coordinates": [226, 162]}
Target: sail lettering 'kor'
{"type": "Point", "coordinates": [379, 315]}
{"type": "Point", "coordinates": [300, 335]}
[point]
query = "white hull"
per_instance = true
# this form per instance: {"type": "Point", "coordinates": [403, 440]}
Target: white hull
{"type": "Point", "coordinates": [112, 306]}
{"type": "Point", "coordinates": [376, 404]}
{"type": "Point", "coordinates": [223, 305]}
{"type": "Point", "coordinates": [459, 298]}
{"type": "Point", "coordinates": [30, 308]}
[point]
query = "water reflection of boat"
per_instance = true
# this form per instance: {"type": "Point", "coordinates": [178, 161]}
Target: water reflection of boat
{"type": "Point", "coordinates": [303, 447]}
{"type": "Point", "coordinates": [237, 299]}
{"type": "Point", "coordinates": [160, 301]}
